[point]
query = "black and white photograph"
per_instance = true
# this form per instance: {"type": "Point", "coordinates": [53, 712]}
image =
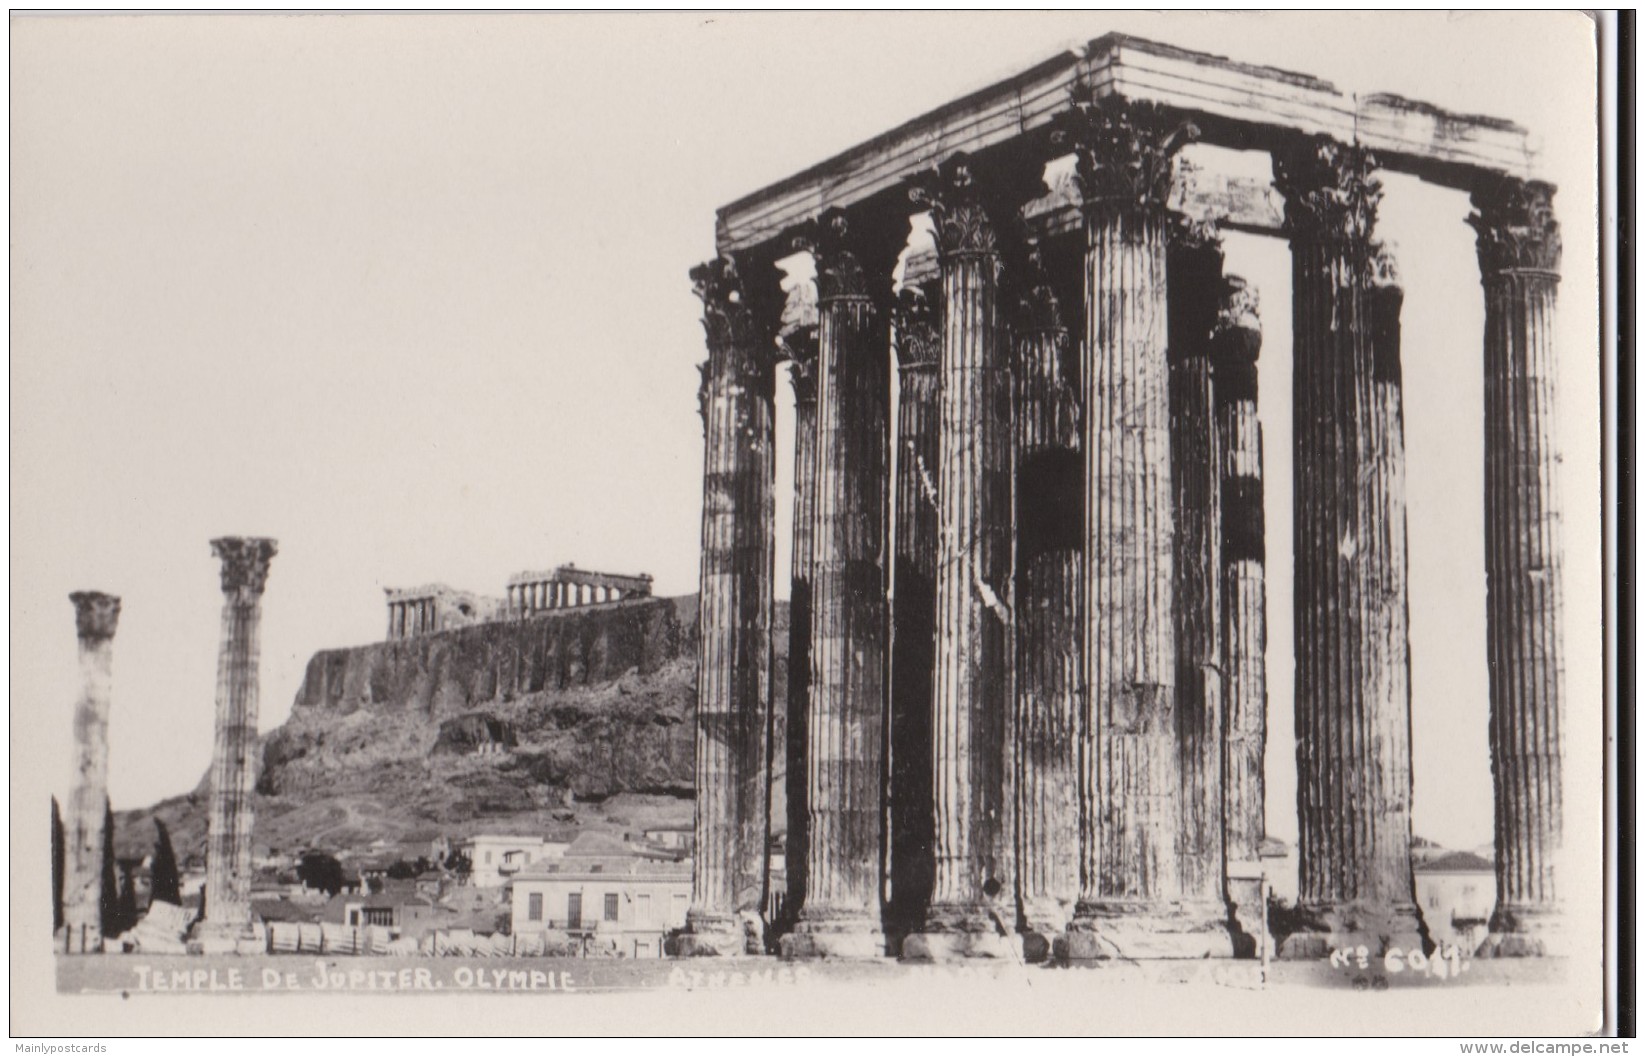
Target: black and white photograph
{"type": "Point", "coordinates": [833, 523]}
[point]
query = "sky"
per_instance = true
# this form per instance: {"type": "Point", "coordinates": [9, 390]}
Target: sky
{"type": "Point", "coordinates": [410, 295]}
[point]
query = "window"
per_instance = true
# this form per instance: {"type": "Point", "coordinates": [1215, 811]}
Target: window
{"type": "Point", "coordinates": [611, 906]}
{"type": "Point", "coordinates": [574, 910]}
{"type": "Point", "coordinates": [354, 915]}
{"type": "Point", "coordinates": [488, 858]}
{"type": "Point", "coordinates": [534, 907]}
{"type": "Point", "coordinates": [642, 909]}
{"type": "Point", "coordinates": [379, 916]}
{"type": "Point", "coordinates": [1433, 899]}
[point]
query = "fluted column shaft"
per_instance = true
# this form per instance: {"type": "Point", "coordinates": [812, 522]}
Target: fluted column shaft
{"type": "Point", "coordinates": [1131, 774]}
{"type": "Point", "coordinates": [734, 622]}
{"type": "Point", "coordinates": [1519, 253]}
{"type": "Point", "coordinates": [1353, 708]}
{"type": "Point", "coordinates": [845, 751]}
{"type": "Point", "coordinates": [1235, 346]}
{"type": "Point", "coordinates": [973, 889]}
{"type": "Point", "coordinates": [913, 617]}
{"type": "Point", "coordinates": [1194, 264]}
{"type": "Point", "coordinates": [1050, 638]}
{"type": "Point", "coordinates": [804, 378]}
{"type": "Point", "coordinates": [96, 617]}
{"type": "Point", "coordinates": [245, 565]}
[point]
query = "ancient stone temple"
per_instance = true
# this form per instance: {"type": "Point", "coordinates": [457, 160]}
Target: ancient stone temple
{"type": "Point", "coordinates": [228, 919]}
{"type": "Point", "coordinates": [95, 617]}
{"type": "Point", "coordinates": [1030, 589]}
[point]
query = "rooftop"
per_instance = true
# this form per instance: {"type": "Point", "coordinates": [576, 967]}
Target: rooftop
{"type": "Point", "coordinates": [1457, 862]}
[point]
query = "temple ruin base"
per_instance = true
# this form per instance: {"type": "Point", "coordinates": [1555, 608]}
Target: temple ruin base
{"type": "Point", "coordinates": [1044, 923]}
{"type": "Point", "coordinates": [228, 937]}
{"type": "Point", "coordinates": [962, 946]}
{"type": "Point", "coordinates": [834, 938]}
{"type": "Point", "coordinates": [1101, 931]}
{"type": "Point", "coordinates": [1525, 932]}
{"type": "Point", "coordinates": [1379, 929]}
{"type": "Point", "coordinates": [719, 936]}
{"type": "Point", "coordinates": [1247, 917]}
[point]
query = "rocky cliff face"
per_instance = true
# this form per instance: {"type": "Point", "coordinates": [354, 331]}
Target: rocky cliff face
{"type": "Point", "coordinates": [579, 716]}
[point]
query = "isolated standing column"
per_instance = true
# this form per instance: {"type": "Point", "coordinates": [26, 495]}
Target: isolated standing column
{"type": "Point", "coordinates": [734, 623]}
{"type": "Point", "coordinates": [245, 563]}
{"type": "Point", "coordinates": [1519, 257]}
{"type": "Point", "coordinates": [95, 617]}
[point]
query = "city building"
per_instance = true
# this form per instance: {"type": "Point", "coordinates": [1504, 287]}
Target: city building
{"type": "Point", "coordinates": [1456, 892]}
{"type": "Point", "coordinates": [496, 859]}
{"type": "Point", "coordinates": [617, 897]}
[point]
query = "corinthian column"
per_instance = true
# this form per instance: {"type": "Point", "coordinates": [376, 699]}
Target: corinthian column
{"type": "Point", "coordinates": [1234, 349]}
{"type": "Point", "coordinates": [1519, 251]}
{"type": "Point", "coordinates": [95, 618]}
{"type": "Point", "coordinates": [802, 347]}
{"type": "Point", "coordinates": [233, 762]}
{"type": "Point", "coordinates": [972, 911]}
{"type": "Point", "coordinates": [1194, 276]}
{"type": "Point", "coordinates": [845, 754]}
{"type": "Point", "coordinates": [1050, 640]}
{"type": "Point", "coordinates": [1130, 795]}
{"type": "Point", "coordinates": [728, 874]}
{"type": "Point", "coordinates": [914, 607]}
{"type": "Point", "coordinates": [1353, 704]}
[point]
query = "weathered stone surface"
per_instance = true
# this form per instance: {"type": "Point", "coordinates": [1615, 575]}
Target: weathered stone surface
{"type": "Point", "coordinates": [740, 314]}
{"type": "Point", "coordinates": [802, 348]}
{"type": "Point", "coordinates": [1234, 349]}
{"type": "Point", "coordinates": [96, 617]}
{"type": "Point", "coordinates": [1050, 642]}
{"type": "Point", "coordinates": [1519, 254]}
{"type": "Point", "coordinates": [974, 845]}
{"type": "Point", "coordinates": [475, 732]}
{"type": "Point", "coordinates": [1353, 706]}
{"type": "Point", "coordinates": [845, 740]}
{"type": "Point", "coordinates": [245, 564]}
{"type": "Point", "coordinates": [1194, 273]}
{"type": "Point", "coordinates": [914, 608]}
{"type": "Point", "coordinates": [1130, 789]}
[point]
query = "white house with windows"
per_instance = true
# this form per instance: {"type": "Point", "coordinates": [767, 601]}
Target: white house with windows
{"type": "Point", "coordinates": [613, 895]}
{"type": "Point", "coordinates": [498, 859]}
{"type": "Point", "coordinates": [1456, 891]}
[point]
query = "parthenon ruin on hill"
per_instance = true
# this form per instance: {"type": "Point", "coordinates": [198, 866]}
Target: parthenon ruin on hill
{"type": "Point", "coordinates": [1052, 740]}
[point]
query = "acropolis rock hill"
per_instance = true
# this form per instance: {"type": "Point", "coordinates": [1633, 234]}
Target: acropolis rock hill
{"type": "Point", "coordinates": [583, 716]}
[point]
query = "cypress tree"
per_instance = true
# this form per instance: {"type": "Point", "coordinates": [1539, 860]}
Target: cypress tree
{"type": "Point", "coordinates": [166, 885]}
{"type": "Point", "coordinates": [58, 865]}
{"type": "Point", "coordinates": [128, 899]}
{"type": "Point", "coordinates": [109, 898]}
